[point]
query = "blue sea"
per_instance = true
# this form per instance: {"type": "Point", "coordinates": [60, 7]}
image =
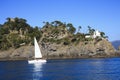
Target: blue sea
{"type": "Point", "coordinates": [67, 69]}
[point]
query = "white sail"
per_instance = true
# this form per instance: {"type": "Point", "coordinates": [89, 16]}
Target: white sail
{"type": "Point", "coordinates": [37, 49]}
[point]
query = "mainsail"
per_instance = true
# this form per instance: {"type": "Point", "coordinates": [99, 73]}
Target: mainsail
{"type": "Point", "coordinates": [37, 49]}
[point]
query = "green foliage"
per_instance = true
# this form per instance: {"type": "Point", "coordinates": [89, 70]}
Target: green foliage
{"type": "Point", "coordinates": [16, 24]}
{"type": "Point", "coordinates": [16, 31]}
{"type": "Point", "coordinates": [79, 29]}
{"type": "Point", "coordinates": [103, 35]}
{"type": "Point", "coordinates": [98, 39]}
{"type": "Point", "coordinates": [45, 40]}
{"type": "Point", "coordinates": [71, 28]}
{"type": "Point", "coordinates": [56, 23]}
{"type": "Point", "coordinates": [36, 33]}
{"type": "Point", "coordinates": [59, 41]}
{"type": "Point", "coordinates": [91, 31]}
{"type": "Point", "coordinates": [66, 41]}
{"type": "Point", "coordinates": [79, 37]}
{"type": "Point", "coordinates": [89, 39]}
{"type": "Point", "coordinates": [4, 31]}
{"type": "Point", "coordinates": [55, 31]}
{"type": "Point", "coordinates": [4, 43]}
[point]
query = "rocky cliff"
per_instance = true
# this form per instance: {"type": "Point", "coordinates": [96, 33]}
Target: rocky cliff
{"type": "Point", "coordinates": [101, 48]}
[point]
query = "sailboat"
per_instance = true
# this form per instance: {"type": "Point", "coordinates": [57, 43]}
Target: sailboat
{"type": "Point", "coordinates": [38, 55]}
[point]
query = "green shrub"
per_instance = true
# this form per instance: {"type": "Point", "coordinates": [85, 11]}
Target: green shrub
{"type": "Point", "coordinates": [66, 41]}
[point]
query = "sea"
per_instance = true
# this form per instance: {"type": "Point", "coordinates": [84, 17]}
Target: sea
{"type": "Point", "coordinates": [62, 69]}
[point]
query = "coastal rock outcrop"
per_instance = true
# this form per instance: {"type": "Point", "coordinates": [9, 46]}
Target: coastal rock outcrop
{"type": "Point", "coordinates": [102, 48]}
{"type": "Point", "coordinates": [56, 40]}
{"type": "Point", "coordinates": [23, 52]}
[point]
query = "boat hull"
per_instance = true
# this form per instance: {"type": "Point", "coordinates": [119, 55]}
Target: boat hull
{"type": "Point", "coordinates": [37, 61]}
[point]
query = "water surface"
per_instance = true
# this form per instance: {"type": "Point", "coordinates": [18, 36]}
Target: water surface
{"type": "Point", "coordinates": [70, 69]}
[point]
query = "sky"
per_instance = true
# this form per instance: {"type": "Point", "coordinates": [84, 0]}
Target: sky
{"type": "Point", "coordinates": [102, 15]}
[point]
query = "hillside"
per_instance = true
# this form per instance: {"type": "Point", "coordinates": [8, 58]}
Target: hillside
{"type": "Point", "coordinates": [56, 39]}
{"type": "Point", "coordinates": [15, 32]}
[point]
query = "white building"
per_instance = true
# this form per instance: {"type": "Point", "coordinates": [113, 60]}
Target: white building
{"type": "Point", "coordinates": [95, 34]}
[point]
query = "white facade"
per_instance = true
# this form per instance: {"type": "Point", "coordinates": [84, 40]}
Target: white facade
{"type": "Point", "coordinates": [95, 34]}
{"type": "Point", "coordinates": [87, 36]}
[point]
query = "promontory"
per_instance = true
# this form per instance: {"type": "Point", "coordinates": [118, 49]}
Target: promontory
{"type": "Point", "coordinates": [57, 40]}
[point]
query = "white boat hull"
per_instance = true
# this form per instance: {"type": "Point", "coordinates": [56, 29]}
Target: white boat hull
{"type": "Point", "coordinates": [37, 61]}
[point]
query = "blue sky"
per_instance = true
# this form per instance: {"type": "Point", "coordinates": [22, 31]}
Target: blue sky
{"type": "Point", "coordinates": [103, 15]}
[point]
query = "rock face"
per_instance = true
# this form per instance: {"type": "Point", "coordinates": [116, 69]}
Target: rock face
{"type": "Point", "coordinates": [101, 48]}
{"type": "Point", "coordinates": [24, 52]}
